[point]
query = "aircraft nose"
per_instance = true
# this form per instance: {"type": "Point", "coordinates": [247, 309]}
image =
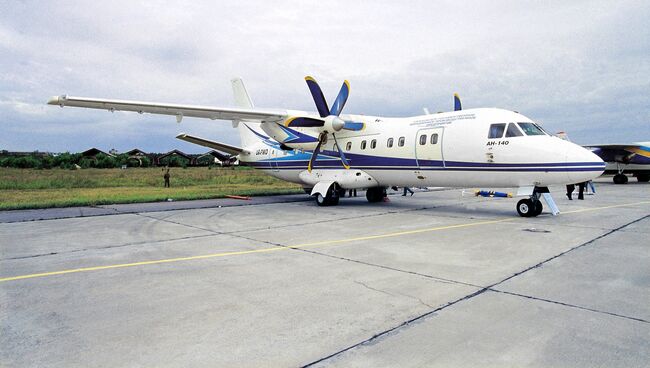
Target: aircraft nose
{"type": "Point", "coordinates": [582, 164]}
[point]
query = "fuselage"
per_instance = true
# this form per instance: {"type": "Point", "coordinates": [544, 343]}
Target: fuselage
{"type": "Point", "coordinates": [485, 147]}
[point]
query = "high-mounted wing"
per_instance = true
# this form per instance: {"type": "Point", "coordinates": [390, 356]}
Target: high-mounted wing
{"type": "Point", "coordinates": [642, 149]}
{"type": "Point", "coordinates": [179, 111]}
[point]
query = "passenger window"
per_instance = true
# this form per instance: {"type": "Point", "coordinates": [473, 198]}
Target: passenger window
{"type": "Point", "coordinates": [496, 130]}
{"type": "Point", "coordinates": [348, 146]}
{"type": "Point", "coordinates": [363, 144]}
{"type": "Point", "coordinates": [513, 131]}
{"type": "Point", "coordinates": [373, 143]}
{"type": "Point", "coordinates": [390, 142]}
{"type": "Point", "coordinates": [423, 139]}
{"type": "Point", "coordinates": [400, 142]}
{"type": "Point", "coordinates": [434, 138]}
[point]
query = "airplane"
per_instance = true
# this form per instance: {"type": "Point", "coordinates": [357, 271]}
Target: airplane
{"type": "Point", "coordinates": [633, 158]}
{"type": "Point", "coordinates": [330, 152]}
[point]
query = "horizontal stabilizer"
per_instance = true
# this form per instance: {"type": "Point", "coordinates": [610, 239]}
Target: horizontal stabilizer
{"type": "Point", "coordinates": [211, 144]}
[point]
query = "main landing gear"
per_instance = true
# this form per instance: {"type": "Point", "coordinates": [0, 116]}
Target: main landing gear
{"type": "Point", "coordinates": [330, 199]}
{"type": "Point", "coordinates": [375, 194]}
{"type": "Point", "coordinates": [620, 179]}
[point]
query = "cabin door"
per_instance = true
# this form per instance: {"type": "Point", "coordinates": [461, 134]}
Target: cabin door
{"type": "Point", "coordinates": [428, 148]}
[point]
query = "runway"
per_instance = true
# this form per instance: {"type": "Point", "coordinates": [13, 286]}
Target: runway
{"type": "Point", "coordinates": [437, 279]}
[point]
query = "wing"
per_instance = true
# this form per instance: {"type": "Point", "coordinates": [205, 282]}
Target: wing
{"type": "Point", "coordinates": [179, 111]}
{"type": "Point", "coordinates": [211, 144]}
{"type": "Point", "coordinates": [610, 151]}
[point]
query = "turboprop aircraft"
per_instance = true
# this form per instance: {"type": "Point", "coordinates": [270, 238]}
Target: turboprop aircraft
{"type": "Point", "coordinates": [330, 152]}
{"type": "Point", "coordinates": [633, 158]}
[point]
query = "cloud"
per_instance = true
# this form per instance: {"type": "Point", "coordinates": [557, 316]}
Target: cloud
{"type": "Point", "coordinates": [582, 67]}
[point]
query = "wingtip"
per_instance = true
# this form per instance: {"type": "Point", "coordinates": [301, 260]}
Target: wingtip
{"type": "Point", "coordinates": [310, 78]}
{"type": "Point", "coordinates": [56, 100]}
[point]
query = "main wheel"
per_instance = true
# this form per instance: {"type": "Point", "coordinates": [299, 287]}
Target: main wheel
{"type": "Point", "coordinates": [374, 194]}
{"type": "Point", "coordinates": [643, 178]}
{"type": "Point", "coordinates": [620, 179]}
{"type": "Point", "coordinates": [330, 199]}
{"type": "Point", "coordinates": [538, 208]}
{"type": "Point", "coordinates": [526, 207]}
{"type": "Point", "coordinates": [321, 201]}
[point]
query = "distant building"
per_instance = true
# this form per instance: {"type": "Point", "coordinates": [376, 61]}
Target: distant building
{"type": "Point", "coordinates": [216, 157]}
{"type": "Point", "coordinates": [190, 160]}
{"type": "Point", "coordinates": [93, 152]}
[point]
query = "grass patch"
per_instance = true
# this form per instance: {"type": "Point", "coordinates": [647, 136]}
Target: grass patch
{"type": "Point", "coordinates": [29, 188]}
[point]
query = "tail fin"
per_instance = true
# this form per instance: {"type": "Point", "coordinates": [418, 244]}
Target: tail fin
{"type": "Point", "coordinates": [243, 100]}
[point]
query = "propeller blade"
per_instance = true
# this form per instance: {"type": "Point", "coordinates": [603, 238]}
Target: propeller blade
{"type": "Point", "coordinates": [319, 98]}
{"type": "Point", "coordinates": [353, 125]}
{"type": "Point", "coordinates": [314, 155]}
{"type": "Point", "coordinates": [344, 160]}
{"type": "Point", "coordinates": [457, 106]}
{"type": "Point", "coordinates": [341, 99]}
{"type": "Point", "coordinates": [303, 122]}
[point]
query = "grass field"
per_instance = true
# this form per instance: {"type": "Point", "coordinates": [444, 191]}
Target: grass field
{"type": "Point", "coordinates": [28, 188]}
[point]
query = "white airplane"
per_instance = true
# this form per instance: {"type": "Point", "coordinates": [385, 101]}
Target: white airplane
{"type": "Point", "coordinates": [329, 152]}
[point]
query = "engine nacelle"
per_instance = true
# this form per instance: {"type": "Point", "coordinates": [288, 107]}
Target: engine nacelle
{"type": "Point", "coordinates": [333, 124]}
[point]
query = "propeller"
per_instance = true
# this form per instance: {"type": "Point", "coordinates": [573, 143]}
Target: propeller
{"type": "Point", "coordinates": [330, 120]}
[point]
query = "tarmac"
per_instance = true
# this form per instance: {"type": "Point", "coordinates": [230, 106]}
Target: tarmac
{"type": "Point", "coordinates": [438, 279]}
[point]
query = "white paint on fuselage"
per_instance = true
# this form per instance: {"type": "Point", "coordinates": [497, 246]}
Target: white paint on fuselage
{"type": "Point", "coordinates": [463, 137]}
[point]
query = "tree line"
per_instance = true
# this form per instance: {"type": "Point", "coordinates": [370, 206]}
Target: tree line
{"type": "Point", "coordinates": [76, 160]}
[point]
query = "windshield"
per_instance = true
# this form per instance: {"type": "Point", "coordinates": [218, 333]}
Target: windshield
{"type": "Point", "coordinates": [531, 129]}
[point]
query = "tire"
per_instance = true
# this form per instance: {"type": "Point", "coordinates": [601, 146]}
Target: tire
{"type": "Point", "coordinates": [643, 178]}
{"type": "Point", "coordinates": [330, 199]}
{"type": "Point", "coordinates": [374, 195]}
{"type": "Point", "coordinates": [538, 208]}
{"type": "Point", "coordinates": [526, 207]}
{"type": "Point", "coordinates": [321, 201]}
{"type": "Point", "coordinates": [620, 179]}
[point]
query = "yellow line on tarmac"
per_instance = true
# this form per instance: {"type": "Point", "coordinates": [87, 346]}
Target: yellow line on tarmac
{"type": "Point", "coordinates": [606, 207]}
{"type": "Point", "coordinates": [299, 246]}
{"type": "Point", "coordinates": [236, 253]}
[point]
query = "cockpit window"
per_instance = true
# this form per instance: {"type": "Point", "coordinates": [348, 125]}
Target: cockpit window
{"type": "Point", "coordinates": [513, 131]}
{"type": "Point", "coordinates": [531, 129]}
{"type": "Point", "coordinates": [496, 130]}
{"type": "Point", "coordinates": [542, 129]}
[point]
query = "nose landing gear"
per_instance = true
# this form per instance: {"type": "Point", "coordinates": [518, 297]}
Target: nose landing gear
{"type": "Point", "coordinates": [529, 207]}
{"type": "Point", "coordinates": [532, 206]}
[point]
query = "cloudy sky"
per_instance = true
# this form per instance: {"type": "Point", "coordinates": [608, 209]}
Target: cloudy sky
{"type": "Point", "coordinates": [578, 66]}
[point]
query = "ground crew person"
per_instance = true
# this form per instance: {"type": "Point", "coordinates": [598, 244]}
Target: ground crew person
{"type": "Point", "coordinates": [166, 177]}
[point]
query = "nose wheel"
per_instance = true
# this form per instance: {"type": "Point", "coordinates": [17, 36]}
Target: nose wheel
{"type": "Point", "coordinates": [529, 207]}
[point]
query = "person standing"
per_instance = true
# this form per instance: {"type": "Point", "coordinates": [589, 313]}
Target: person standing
{"type": "Point", "coordinates": [166, 177]}
{"type": "Point", "coordinates": [581, 190]}
{"type": "Point", "coordinates": [569, 190]}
